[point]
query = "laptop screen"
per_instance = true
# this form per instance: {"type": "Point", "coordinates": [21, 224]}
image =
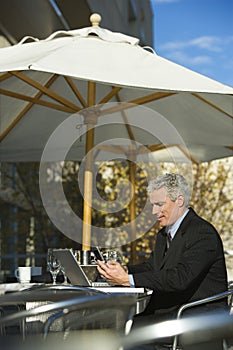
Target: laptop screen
{"type": "Point", "coordinates": [72, 268]}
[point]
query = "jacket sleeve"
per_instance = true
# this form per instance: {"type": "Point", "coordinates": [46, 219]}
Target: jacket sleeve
{"type": "Point", "coordinates": [199, 249]}
{"type": "Point", "coordinates": [143, 267]}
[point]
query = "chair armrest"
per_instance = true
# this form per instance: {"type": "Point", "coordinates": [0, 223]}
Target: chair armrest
{"type": "Point", "coordinates": [204, 301]}
{"type": "Point", "coordinates": [222, 295]}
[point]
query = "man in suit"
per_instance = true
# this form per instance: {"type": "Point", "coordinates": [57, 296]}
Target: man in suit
{"type": "Point", "coordinates": [186, 266]}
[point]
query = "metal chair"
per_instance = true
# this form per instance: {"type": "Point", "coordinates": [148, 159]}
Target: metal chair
{"type": "Point", "coordinates": [227, 294]}
{"type": "Point", "coordinates": [97, 311]}
{"type": "Point", "coordinates": [187, 329]}
{"type": "Point", "coordinates": [194, 331]}
{"type": "Point", "coordinates": [34, 296]}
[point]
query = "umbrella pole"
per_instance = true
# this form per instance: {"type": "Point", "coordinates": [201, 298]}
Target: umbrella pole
{"type": "Point", "coordinates": [132, 213]}
{"type": "Point", "coordinates": [132, 173]}
{"type": "Point", "coordinates": [90, 119]}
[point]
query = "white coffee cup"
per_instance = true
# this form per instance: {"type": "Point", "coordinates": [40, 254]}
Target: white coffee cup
{"type": "Point", "coordinates": [23, 274]}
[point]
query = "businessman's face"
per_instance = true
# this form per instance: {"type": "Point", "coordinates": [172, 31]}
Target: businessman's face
{"type": "Point", "coordinates": [167, 211]}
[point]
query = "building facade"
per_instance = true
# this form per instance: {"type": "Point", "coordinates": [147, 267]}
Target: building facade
{"type": "Point", "coordinates": [40, 18]}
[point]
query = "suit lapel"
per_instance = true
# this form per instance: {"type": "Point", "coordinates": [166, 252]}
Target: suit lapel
{"type": "Point", "coordinates": [161, 247]}
{"type": "Point", "coordinates": [172, 249]}
{"type": "Point", "coordinates": [176, 240]}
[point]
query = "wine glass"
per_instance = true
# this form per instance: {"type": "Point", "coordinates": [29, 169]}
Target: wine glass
{"type": "Point", "coordinates": [54, 264]}
{"type": "Point", "coordinates": [114, 255]}
{"type": "Point", "coordinates": [64, 275]}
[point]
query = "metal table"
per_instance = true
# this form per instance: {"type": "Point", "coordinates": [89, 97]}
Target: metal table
{"type": "Point", "coordinates": [32, 294]}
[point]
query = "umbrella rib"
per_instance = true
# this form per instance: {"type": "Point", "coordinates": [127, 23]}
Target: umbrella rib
{"type": "Point", "coordinates": [212, 104]}
{"type": "Point", "coordinates": [5, 76]}
{"type": "Point", "coordinates": [143, 149]}
{"type": "Point", "coordinates": [188, 154]}
{"type": "Point", "coordinates": [152, 97]}
{"type": "Point", "coordinates": [128, 128]}
{"type": "Point", "coordinates": [113, 149]}
{"type": "Point", "coordinates": [15, 121]}
{"type": "Point", "coordinates": [46, 91]}
{"type": "Point", "coordinates": [138, 101]}
{"type": "Point", "coordinates": [76, 91]}
{"type": "Point", "coordinates": [159, 147]}
{"type": "Point", "coordinates": [112, 93]}
{"type": "Point", "coordinates": [34, 100]}
{"type": "Point", "coordinates": [26, 109]}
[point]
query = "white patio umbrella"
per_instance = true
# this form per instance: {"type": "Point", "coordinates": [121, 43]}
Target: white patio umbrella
{"type": "Point", "coordinates": [45, 81]}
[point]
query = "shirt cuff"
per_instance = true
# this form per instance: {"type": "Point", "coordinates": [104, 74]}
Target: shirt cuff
{"type": "Point", "coordinates": [131, 281]}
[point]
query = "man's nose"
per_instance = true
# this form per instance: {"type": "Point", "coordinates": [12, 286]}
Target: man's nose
{"type": "Point", "coordinates": [155, 210]}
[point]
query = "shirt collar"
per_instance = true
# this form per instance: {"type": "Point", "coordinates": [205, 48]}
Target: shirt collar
{"type": "Point", "coordinates": [174, 227]}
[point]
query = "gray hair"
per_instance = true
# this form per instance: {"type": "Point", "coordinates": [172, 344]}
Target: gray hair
{"type": "Point", "coordinates": [175, 185]}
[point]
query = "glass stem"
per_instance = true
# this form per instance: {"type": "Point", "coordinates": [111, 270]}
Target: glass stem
{"type": "Point", "coordinates": [54, 278]}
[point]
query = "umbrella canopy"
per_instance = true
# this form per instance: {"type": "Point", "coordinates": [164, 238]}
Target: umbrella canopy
{"type": "Point", "coordinates": [47, 82]}
{"type": "Point", "coordinates": [107, 67]}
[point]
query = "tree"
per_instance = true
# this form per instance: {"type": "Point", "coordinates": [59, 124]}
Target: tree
{"type": "Point", "coordinates": [25, 227]}
{"type": "Point", "coordinates": [24, 218]}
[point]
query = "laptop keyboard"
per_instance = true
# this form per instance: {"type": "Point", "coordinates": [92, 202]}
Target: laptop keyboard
{"type": "Point", "coordinates": [100, 284]}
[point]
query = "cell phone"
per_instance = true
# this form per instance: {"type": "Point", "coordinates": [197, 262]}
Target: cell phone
{"type": "Point", "coordinates": [98, 253]}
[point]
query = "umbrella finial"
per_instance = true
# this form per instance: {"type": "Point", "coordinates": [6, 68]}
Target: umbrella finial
{"type": "Point", "coordinates": [95, 19]}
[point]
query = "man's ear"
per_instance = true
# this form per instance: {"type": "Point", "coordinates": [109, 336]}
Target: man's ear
{"type": "Point", "coordinates": [180, 200]}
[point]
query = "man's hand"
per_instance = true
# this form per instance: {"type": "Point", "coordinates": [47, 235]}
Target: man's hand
{"type": "Point", "coordinates": [113, 272]}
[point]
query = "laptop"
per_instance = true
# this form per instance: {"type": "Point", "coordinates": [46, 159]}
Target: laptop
{"type": "Point", "coordinates": [74, 270]}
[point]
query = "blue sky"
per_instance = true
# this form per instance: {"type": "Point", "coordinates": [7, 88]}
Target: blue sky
{"type": "Point", "coordinates": [197, 34]}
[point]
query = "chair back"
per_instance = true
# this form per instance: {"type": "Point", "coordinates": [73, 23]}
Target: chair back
{"type": "Point", "coordinates": [85, 312]}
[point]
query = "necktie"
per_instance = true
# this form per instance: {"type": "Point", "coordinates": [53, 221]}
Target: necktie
{"type": "Point", "coordinates": [169, 239]}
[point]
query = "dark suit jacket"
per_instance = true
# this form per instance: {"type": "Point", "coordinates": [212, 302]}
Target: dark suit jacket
{"type": "Point", "coordinates": [193, 268]}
